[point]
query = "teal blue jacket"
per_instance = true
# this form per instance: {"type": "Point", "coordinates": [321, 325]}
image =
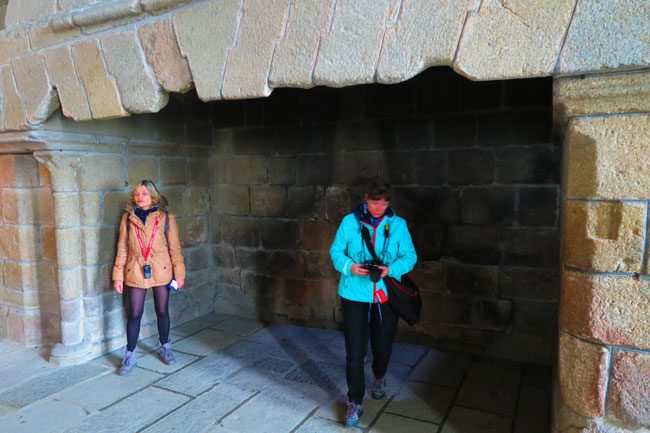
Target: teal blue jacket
{"type": "Point", "coordinates": [396, 251]}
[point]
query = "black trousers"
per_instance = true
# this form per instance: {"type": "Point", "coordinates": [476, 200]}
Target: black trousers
{"type": "Point", "coordinates": [382, 330]}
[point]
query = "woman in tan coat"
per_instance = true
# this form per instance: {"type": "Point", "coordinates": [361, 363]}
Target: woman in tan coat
{"type": "Point", "coordinates": [148, 257]}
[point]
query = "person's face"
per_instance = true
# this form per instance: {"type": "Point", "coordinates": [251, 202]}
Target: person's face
{"type": "Point", "coordinates": [377, 207]}
{"type": "Point", "coordinates": [142, 197]}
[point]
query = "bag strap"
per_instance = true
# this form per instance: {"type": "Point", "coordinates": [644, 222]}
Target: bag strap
{"type": "Point", "coordinates": [128, 224]}
{"type": "Point", "coordinates": [365, 234]}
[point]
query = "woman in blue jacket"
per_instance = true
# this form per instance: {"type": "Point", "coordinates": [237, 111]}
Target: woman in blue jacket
{"type": "Point", "coordinates": [362, 300]}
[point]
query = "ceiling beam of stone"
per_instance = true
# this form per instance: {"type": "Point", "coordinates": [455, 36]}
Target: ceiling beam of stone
{"type": "Point", "coordinates": [102, 59]}
{"type": "Point", "coordinates": [506, 39]}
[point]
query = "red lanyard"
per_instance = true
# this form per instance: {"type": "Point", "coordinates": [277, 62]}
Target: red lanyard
{"type": "Point", "coordinates": [145, 253]}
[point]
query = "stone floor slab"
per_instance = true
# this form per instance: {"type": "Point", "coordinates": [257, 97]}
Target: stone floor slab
{"type": "Point", "coordinates": [219, 429]}
{"type": "Point", "coordinates": [440, 368]}
{"type": "Point", "coordinates": [320, 350]}
{"type": "Point", "coordinates": [44, 416]}
{"type": "Point", "coordinates": [133, 413]}
{"type": "Point", "coordinates": [202, 375]}
{"type": "Point", "coordinates": [302, 343]}
{"type": "Point", "coordinates": [239, 325]}
{"type": "Point", "coordinates": [491, 386]}
{"type": "Point", "coordinates": [188, 328]}
{"type": "Point", "coordinates": [325, 375]}
{"type": "Point", "coordinates": [101, 392]}
{"type": "Point", "coordinates": [8, 347]}
{"type": "Point", "coordinates": [277, 333]}
{"type": "Point", "coordinates": [393, 423]}
{"type": "Point", "coordinates": [277, 414]}
{"type": "Point", "coordinates": [274, 365]}
{"type": "Point", "coordinates": [464, 420]}
{"type": "Point", "coordinates": [533, 411]}
{"type": "Point", "coordinates": [407, 354]}
{"type": "Point", "coordinates": [319, 425]}
{"type": "Point", "coordinates": [330, 337]}
{"type": "Point", "coordinates": [293, 376]}
{"type": "Point", "coordinates": [253, 351]}
{"type": "Point", "coordinates": [214, 317]}
{"type": "Point", "coordinates": [153, 362]}
{"type": "Point", "coordinates": [6, 411]}
{"type": "Point", "coordinates": [268, 383]}
{"type": "Point", "coordinates": [422, 401]}
{"type": "Point", "coordinates": [17, 366]}
{"type": "Point", "coordinates": [205, 342]}
{"type": "Point", "coordinates": [203, 411]}
{"type": "Point", "coordinates": [52, 383]}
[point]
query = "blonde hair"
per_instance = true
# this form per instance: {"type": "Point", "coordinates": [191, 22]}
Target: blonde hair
{"type": "Point", "coordinates": [157, 199]}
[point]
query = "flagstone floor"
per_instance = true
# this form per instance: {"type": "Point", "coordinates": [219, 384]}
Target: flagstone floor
{"type": "Point", "coordinates": [237, 375]}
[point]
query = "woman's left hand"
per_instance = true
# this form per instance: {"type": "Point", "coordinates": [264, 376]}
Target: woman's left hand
{"type": "Point", "coordinates": [180, 283]}
{"type": "Point", "coordinates": [384, 270]}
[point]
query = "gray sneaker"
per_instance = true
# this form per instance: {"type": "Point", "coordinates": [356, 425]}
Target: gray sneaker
{"type": "Point", "coordinates": [128, 363]}
{"type": "Point", "coordinates": [378, 388]}
{"type": "Point", "coordinates": [354, 412]}
{"type": "Point", "coordinates": [166, 354]}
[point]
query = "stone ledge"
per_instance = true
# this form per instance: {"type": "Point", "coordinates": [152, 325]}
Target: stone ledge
{"type": "Point", "coordinates": [605, 94]}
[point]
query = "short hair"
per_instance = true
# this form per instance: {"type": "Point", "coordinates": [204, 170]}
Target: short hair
{"type": "Point", "coordinates": [156, 197]}
{"type": "Point", "coordinates": [378, 188]}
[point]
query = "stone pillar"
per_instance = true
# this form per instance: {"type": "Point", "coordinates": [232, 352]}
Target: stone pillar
{"type": "Point", "coordinates": [28, 290]}
{"type": "Point", "coordinates": [604, 347]}
{"type": "Point", "coordinates": [64, 168]}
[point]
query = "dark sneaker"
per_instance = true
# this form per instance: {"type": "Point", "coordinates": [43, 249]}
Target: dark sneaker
{"type": "Point", "coordinates": [166, 354]}
{"type": "Point", "coordinates": [353, 414]}
{"type": "Point", "coordinates": [378, 388]}
{"type": "Point", "coordinates": [128, 363]}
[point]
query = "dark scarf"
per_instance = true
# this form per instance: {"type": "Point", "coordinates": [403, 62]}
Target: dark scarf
{"type": "Point", "coordinates": [362, 214]}
{"type": "Point", "coordinates": [142, 214]}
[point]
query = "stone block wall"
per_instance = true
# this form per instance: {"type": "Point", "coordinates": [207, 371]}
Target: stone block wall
{"type": "Point", "coordinates": [604, 359]}
{"type": "Point", "coordinates": [29, 298]}
{"type": "Point", "coordinates": [181, 173]}
{"type": "Point", "coordinates": [58, 239]}
{"type": "Point", "coordinates": [475, 173]}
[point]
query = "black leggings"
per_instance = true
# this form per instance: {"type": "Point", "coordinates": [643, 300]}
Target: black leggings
{"type": "Point", "coordinates": [136, 308]}
{"type": "Point", "coordinates": [382, 330]}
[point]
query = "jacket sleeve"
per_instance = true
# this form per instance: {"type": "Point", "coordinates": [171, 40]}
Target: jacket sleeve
{"type": "Point", "coordinates": [175, 249]}
{"type": "Point", "coordinates": [338, 252]}
{"type": "Point", "coordinates": [122, 250]}
{"type": "Point", "coordinates": [406, 255]}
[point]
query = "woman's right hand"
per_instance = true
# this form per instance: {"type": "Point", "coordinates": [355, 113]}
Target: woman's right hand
{"type": "Point", "coordinates": [356, 269]}
{"type": "Point", "coordinates": [118, 286]}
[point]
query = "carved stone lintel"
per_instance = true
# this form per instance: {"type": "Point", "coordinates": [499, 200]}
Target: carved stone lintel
{"type": "Point", "coordinates": [603, 94]}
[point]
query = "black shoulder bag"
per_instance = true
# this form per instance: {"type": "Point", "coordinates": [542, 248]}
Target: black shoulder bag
{"type": "Point", "coordinates": [403, 296]}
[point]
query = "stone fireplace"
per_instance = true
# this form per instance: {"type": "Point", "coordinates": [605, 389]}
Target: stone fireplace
{"type": "Point", "coordinates": [476, 175]}
{"type": "Point", "coordinates": [523, 173]}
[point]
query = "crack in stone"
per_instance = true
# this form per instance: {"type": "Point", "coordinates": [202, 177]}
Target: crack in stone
{"type": "Point", "coordinates": [512, 11]}
{"type": "Point", "coordinates": [278, 41]}
{"type": "Point", "coordinates": [388, 27]}
{"type": "Point", "coordinates": [326, 31]}
{"type": "Point", "coordinates": [235, 39]}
